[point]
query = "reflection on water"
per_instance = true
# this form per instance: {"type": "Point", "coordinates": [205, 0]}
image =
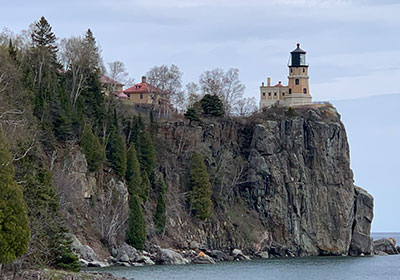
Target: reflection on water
{"type": "Point", "coordinates": [334, 268]}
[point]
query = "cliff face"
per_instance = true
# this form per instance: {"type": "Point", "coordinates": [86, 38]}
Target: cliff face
{"type": "Point", "coordinates": [280, 184]}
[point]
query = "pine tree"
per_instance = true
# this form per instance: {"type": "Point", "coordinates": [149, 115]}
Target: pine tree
{"type": "Point", "coordinates": [146, 154]}
{"type": "Point", "coordinates": [133, 176]}
{"type": "Point", "coordinates": [136, 235]}
{"type": "Point", "coordinates": [50, 245]}
{"type": "Point", "coordinates": [116, 151]}
{"type": "Point", "coordinates": [192, 115]}
{"type": "Point", "coordinates": [212, 105]}
{"type": "Point", "coordinates": [14, 229]}
{"type": "Point", "coordinates": [61, 119]}
{"type": "Point", "coordinates": [200, 195]}
{"type": "Point", "coordinates": [145, 187]}
{"type": "Point", "coordinates": [159, 215]}
{"type": "Point", "coordinates": [92, 50]}
{"type": "Point", "coordinates": [93, 150]}
{"type": "Point", "coordinates": [42, 36]}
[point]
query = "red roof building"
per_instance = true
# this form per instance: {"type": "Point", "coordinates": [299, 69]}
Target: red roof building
{"type": "Point", "coordinates": [144, 93]}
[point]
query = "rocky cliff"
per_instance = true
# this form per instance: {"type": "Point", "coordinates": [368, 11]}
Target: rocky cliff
{"type": "Point", "coordinates": [281, 184]}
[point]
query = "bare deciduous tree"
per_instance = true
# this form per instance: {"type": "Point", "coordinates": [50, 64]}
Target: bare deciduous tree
{"type": "Point", "coordinates": [80, 56]}
{"type": "Point", "coordinates": [224, 84]}
{"type": "Point", "coordinates": [117, 72]}
{"type": "Point", "coordinates": [193, 94]}
{"type": "Point", "coordinates": [245, 107]}
{"type": "Point", "coordinates": [169, 81]}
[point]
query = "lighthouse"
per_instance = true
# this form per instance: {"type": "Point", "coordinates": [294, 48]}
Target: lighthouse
{"type": "Point", "coordinates": [298, 88]}
{"type": "Point", "coordinates": [297, 92]}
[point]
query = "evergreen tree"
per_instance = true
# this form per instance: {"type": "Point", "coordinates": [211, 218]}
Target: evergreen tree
{"type": "Point", "coordinates": [200, 195]}
{"type": "Point", "coordinates": [93, 150]}
{"type": "Point", "coordinates": [14, 229]}
{"type": "Point", "coordinates": [42, 36]}
{"type": "Point", "coordinates": [61, 118]}
{"type": "Point", "coordinates": [159, 215]}
{"type": "Point", "coordinates": [136, 235]}
{"type": "Point", "coordinates": [145, 188]}
{"type": "Point", "coordinates": [137, 130]}
{"type": "Point", "coordinates": [91, 103]}
{"type": "Point", "coordinates": [192, 115]}
{"type": "Point", "coordinates": [41, 68]}
{"type": "Point", "coordinates": [93, 56]}
{"type": "Point", "coordinates": [49, 245]}
{"type": "Point", "coordinates": [291, 113]}
{"type": "Point", "coordinates": [116, 151]}
{"type": "Point", "coordinates": [146, 153]}
{"type": "Point", "coordinates": [133, 176]}
{"type": "Point", "coordinates": [212, 105]}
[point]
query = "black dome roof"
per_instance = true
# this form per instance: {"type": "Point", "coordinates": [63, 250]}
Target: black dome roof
{"type": "Point", "coordinates": [298, 50]}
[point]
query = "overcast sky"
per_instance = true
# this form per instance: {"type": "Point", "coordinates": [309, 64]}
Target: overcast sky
{"type": "Point", "coordinates": [353, 47]}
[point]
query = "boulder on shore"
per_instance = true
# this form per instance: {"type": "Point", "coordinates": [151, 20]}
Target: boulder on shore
{"type": "Point", "coordinates": [386, 245]}
{"type": "Point", "coordinates": [168, 256]}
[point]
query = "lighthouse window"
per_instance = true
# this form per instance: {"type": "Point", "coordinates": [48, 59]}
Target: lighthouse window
{"type": "Point", "coordinates": [305, 90]}
{"type": "Point", "coordinates": [297, 81]}
{"type": "Point", "coordinates": [290, 91]}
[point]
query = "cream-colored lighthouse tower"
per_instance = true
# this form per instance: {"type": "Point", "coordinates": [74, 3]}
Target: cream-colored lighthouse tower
{"type": "Point", "coordinates": [299, 91]}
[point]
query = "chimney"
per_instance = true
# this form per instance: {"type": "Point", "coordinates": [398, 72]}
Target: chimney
{"type": "Point", "coordinates": [262, 84]}
{"type": "Point", "coordinates": [143, 79]}
{"type": "Point", "coordinates": [280, 82]}
{"type": "Point", "coordinates": [268, 81]}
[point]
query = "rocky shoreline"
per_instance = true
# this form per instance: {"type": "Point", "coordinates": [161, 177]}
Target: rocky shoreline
{"type": "Point", "coordinates": [127, 256]}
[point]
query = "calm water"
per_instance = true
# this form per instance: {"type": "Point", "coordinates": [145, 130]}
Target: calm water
{"type": "Point", "coordinates": [335, 268]}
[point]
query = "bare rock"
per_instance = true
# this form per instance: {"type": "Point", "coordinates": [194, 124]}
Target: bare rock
{"type": "Point", "coordinates": [203, 258]}
{"type": "Point", "coordinates": [168, 256]}
{"type": "Point", "coordinates": [386, 245]}
{"type": "Point", "coordinates": [361, 242]}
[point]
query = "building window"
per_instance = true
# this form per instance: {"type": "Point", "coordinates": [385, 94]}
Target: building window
{"type": "Point", "coordinates": [305, 90]}
{"type": "Point", "coordinates": [275, 93]}
{"type": "Point", "coordinates": [304, 70]}
{"type": "Point", "coordinates": [291, 70]}
{"type": "Point", "coordinates": [290, 91]}
{"type": "Point", "coordinates": [297, 81]}
{"type": "Point", "coordinates": [283, 94]}
{"type": "Point", "coordinates": [269, 94]}
{"type": "Point", "coordinates": [141, 96]}
{"type": "Point", "coordinates": [263, 93]}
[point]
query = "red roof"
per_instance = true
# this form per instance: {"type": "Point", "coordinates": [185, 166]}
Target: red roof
{"type": "Point", "coordinates": [107, 80]}
{"type": "Point", "coordinates": [142, 88]}
{"type": "Point", "coordinates": [278, 85]}
{"type": "Point", "coordinates": [121, 94]}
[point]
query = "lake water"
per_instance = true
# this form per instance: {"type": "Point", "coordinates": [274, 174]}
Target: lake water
{"type": "Point", "coordinates": [309, 268]}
